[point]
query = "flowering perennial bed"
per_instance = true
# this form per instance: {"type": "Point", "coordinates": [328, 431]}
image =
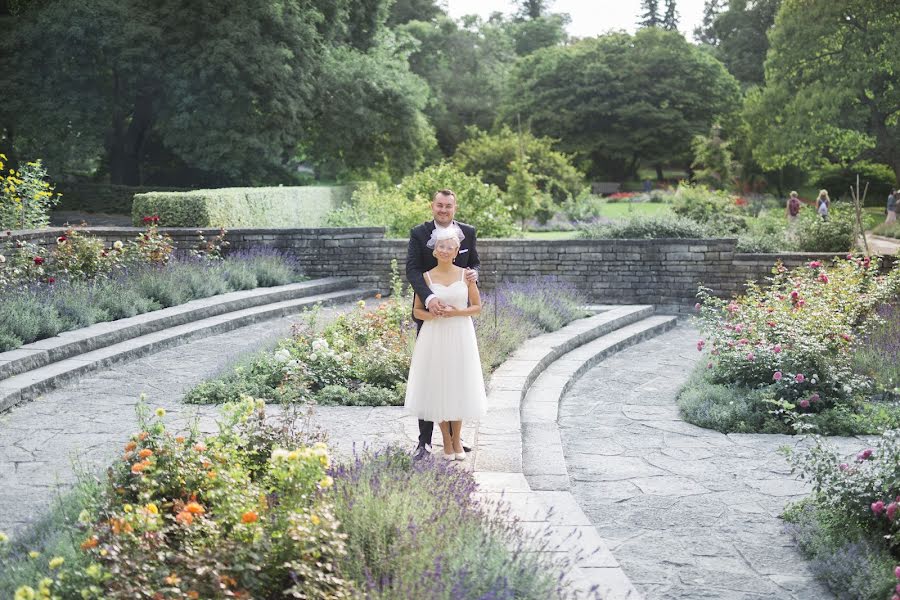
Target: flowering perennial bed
{"type": "Point", "coordinates": [258, 511]}
{"type": "Point", "coordinates": [82, 282]}
{"type": "Point", "coordinates": [362, 358]}
{"type": "Point", "coordinates": [782, 358]}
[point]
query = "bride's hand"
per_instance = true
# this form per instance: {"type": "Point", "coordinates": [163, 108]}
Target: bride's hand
{"type": "Point", "coordinates": [450, 311]}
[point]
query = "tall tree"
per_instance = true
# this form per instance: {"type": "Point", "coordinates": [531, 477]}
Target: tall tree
{"type": "Point", "coordinates": [650, 14]}
{"type": "Point", "coordinates": [740, 35]}
{"type": "Point", "coordinates": [705, 32]}
{"type": "Point", "coordinates": [532, 9]}
{"type": "Point", "coordinates": [531, 35]}
{"type": "Point", "coordinates": [670, 19]}
{"type": "Point", "coordinates": [466, 65]}
{"type": "Point", "coordinates": [404, 11]}
{"type": "Point", "coordinates": [618, 100]}
{"type": "Point", "coordinates": [831, 93]}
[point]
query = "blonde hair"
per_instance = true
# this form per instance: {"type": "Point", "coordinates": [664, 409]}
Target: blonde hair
{"type": "Point", "coordinates": [793, 194]}
{"type": "Point", "coordinates": [824, 193]}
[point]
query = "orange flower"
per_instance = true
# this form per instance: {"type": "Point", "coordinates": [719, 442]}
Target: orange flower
{"type": "Point", "coordinates": [206, 463]}
{"type": "Point", "coordinates": [227, 581]}
{"type": "Point", "coordinates": [119, 526]}
{"type": "Point", "coordinates": [193, 595]}
{"type": "Point", "coordinates": [127, 456]}
{"type": "Point", "coordinates": [143, 435]}
{"type": "Point", "coordinates": [138, 467]}
{"type": "Point", "coordinates": [200, 447]}
{"type": "Point", "coordinates": [130, 446]}
{"type": "Point", "coordinates": [194, 508]}
{"type": "Point", "coordinates": [89, 543]}
{"type": "Point", "coordinates": [145, 453]}
{"type": "Point", "coordinates": [378, 296]}
{"type": "Point", "coordinates": [184, 517]}
{"type": "Point", "coordinates": [212, 474]}
{"type": "Point", "coordinates": [180, 439]}
{"type": "Point", "coordinates": [172, 579]}
{"type": "Point", "coordinates": [249, 517]}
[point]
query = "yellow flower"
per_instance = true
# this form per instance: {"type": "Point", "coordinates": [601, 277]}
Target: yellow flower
{"type": "Point", "coordinates": [25, 593]}
{"type": "Point", "coordinates": [315, 520]}
{"type": "Point", "coordinates": [44, 585]}
{"type": "Point", "coordinates": [327, 482]}
{"type": "Point", "coordinates": [160, 412]}
{"type": "Point", "coordinates": [94, 571]}
{"type": "Point", "coordinates": [128, 508]}
{"type": "Point", "coordinates": [56, 562]}
{"type": "Point", "coordinates": [3, 538]}
{"type": "Point", "coordinates": [34, 554]}
{"type": "Point", "coordinates": [152, 508]}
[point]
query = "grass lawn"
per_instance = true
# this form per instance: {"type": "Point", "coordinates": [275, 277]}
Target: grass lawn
{"type": "Point", "coordinates": [551, 235]}
{"type": "Point", "coordinates": [624, 210]}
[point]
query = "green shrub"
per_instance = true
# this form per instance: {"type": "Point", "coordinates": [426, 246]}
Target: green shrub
{"type": "Point", "coordinates": [240, 207]}
{"type": "Point", "coordinates": [25, 197]}
{"type": "Point", "coordinates": [725, 408]}
{"type": "Point", "coordinates": [891, 230]}
{"type": "Point", "coordinates": [400, 208]}
{"type": "Point", "coordinates": [28, 318]}
{"type": "Point", "coordinates": [583, 207]}
{"type": "Point", "coordinates": [834, 235]}
{"type": "Point", "coordinates": [717, 209]}
{"type": "Point", "coordinates": [838, 180]}
{"type": "Point", "coordinates": [645, 228]}
{"type": "Point", "coordinates": [9, 342]}
{"type": "Point", "coordinates": [490, 156]}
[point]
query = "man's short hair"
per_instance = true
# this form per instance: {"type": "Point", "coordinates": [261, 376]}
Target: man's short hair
{"type": "Point", "coordinates": [444, 192]}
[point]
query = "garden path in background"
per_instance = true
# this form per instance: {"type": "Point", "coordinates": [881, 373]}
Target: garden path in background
{"type": "Point", "coordinates": [878, 244]}
{"type": "Point", "coordinates": [688, 512]}
{"type": "Point", "coordinates": [89, 421]}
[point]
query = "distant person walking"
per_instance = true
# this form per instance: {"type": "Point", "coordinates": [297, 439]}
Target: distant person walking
{"type": "Point", "coordinates": [891, 207]}
{"type": "Point", "coordinates": [823, 204]}
{"type": "Point", "coordinates": [792, 208]}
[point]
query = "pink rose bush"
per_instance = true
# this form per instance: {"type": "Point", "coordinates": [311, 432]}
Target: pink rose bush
{"type": "Point", "coordinates": [854, 501]}
{"type": "Point", "coordinates": [796, 336]}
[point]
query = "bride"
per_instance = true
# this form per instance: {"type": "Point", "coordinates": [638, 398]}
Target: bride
{"type": "Point", "coordinates": [445, 382]}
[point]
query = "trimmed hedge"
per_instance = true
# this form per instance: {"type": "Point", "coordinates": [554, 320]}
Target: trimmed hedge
{"type": "Point", "coordinates": [242, 207]}
{"type": "Point", "coordinates": [102, 197]}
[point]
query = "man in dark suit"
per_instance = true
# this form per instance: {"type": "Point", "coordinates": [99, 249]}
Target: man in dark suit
{"type": "Point", "coordinates": [419, 260]}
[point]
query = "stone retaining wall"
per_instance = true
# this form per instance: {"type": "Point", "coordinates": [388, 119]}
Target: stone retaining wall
{"type": "Point", "coordinates": [665, 273]}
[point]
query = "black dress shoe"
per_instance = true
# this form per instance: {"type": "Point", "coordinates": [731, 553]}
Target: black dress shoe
{"type": "Point", "coordinates": [421, 452]}
{"type": "Point", "coordinates": [466, 449]}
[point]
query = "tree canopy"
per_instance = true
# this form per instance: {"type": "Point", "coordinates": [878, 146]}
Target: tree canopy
{"type": "Point", "coordinates": [617, 100]}
{"type": "Point", "coordinates": [831, 91]}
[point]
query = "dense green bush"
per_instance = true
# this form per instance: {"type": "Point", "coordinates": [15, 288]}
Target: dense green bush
{"type": "Point", "coordinates": [812, 234]}
{"type": "Point", "coordinates": [490, 156]}
{"type": "Point", "coordinates": [25, 196]}
{"type": "Point", "coordinates": [241, 207]}
{"type": "Point", "coordinates": [716, 209]}
{"type": "Point", "coordinates": [399, 208]}
{"type": "Point", "coordinates": [645, 228]}
{"type": "Point", "coordinates": [891, 230]}
{"type": "Point", "coordinates": [838, 180]}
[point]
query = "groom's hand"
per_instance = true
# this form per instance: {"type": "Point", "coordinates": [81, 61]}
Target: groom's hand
{"type": "Point", "coordinates": [471, 275]}
{"type": "Point", "coordinates": [437, 308]}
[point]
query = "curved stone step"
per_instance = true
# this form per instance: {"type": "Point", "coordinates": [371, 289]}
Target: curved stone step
{"type": "Point", "coordinates": [79, 341]}
{"type": "Point", "coordinates": [30, 384]}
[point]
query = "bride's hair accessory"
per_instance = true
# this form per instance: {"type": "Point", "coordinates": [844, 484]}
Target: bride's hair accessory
{"type": "Point", "coordinates": [445, 233]}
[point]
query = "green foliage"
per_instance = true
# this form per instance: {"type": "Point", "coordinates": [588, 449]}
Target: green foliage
{"type": "Point", "coordinates": [240, 207]}
{"type": "Point", "coordinates": [716, 209]}
{"type": "Point", "coordinates": [726, 408]}
{"type": "Point", "coordinates": [522, 194]}
{"type": "Point", "coordinates": [466, 66]}
{"type": "Point", "coordinates": [491, 156]}
{"type": "Point", "coordinates": [103, 198]}
{"type": "Point", "coordinates": [645, 228]}
{"type": "Point", "coordinates": [888, 229]}
{"type": "Point", "coordinates": [25, 197]}
{"type": "Point", "coordinates": [618, 100]}
{"type": "Point", "coordinates": [399, 208]}
{"type": "Point", "coordinates": [373, 116]}
{"type": "Point", "coordinates": [834, 235]}
{"type": "Point", "coordinates": [839, 179]}
{"type": "Point", "coordinates": [712, 160]}
{"type": "Point", "coordinates": [829, 86]}
{"type": "Point", "coordinates": [532, 34]}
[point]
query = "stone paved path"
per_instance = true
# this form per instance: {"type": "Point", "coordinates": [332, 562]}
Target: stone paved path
{"type": "Point", "coordinates": [688, 512]}
{"type": "Point", "coordinates": [90, 420]}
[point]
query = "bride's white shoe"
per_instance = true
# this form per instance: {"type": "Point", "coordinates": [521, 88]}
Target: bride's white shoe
{"type": "Point", "coordinates": [450, 456]}
{"type": "Point", "coordinates": [460, 456]}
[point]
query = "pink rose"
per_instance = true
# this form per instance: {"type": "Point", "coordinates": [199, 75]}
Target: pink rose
{"type": "Point", "coordinates": [865, 454]}
{"type": "Point", "coordinates": [794, 295]}
{"type": "Point", "coordinates": [799, 378]}
{"type": "Point", "coordinates": [891, 511]}
{"type": "Point", "coordinates": [843, 466]}
{"type": "Point", "coordinates": [815, 264]}
{"type": "Point", "coordinates": [897, 572]}
{"type": "Point", "coordinates": [700, 344]}
{"type": "Point", "coordinates": [770, 323]}
{"type": "Point", "coordinates": [750, 357]}
{"type": "Point", "coordinates": [823, 277]}
{"type": "Point", "coordinates": [739, 328]}
{"type": "Point", "coordinates": [776, 348]}
{"type": "Point", "coordinates": [815, 397]}
{"type": "Point", "coordinates": [777, 376]}
{"type": "Point", "coordinates": [743, 341]}
{"type": "Point", "coordinates": [709, 365]}
{"type": "Point", "coordinates": [804, 403]}
{"type": "Point", "coordinates": [878, 507]}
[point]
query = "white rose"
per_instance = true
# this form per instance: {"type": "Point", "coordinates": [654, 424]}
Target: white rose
{"type": "Point", "coordinates": [319, 345]}
{"type": "Point", "coordinates": [282, 355]}
{"type": "Point", "coordinates": [2, 259]}
{"type": "Point", "coordinates": [117, 245]}
{"type": "Point", "coordinates": [313, 357]}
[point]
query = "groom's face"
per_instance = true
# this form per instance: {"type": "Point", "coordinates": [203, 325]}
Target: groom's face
{"type": "Point", "coordinates": [443, 207]}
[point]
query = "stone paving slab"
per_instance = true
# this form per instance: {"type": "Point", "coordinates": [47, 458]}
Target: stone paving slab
{"type": "Point", "coordinates": [687, 512]}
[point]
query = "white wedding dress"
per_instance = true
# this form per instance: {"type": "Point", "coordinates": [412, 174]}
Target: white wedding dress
{"type": "Point", "coordinates": [445, 381]}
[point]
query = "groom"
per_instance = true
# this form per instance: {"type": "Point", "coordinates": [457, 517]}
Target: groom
{"type": "Point", "coordinates": [419, 260]}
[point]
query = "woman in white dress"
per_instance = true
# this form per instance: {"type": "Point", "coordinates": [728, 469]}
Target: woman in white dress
{"type": "Point", "coordinates": [445, 383]}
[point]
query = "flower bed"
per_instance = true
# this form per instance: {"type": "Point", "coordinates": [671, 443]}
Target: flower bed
{"type": "Point", "coordinates": [362, 358]}
{"type": "Point", "coordinates": [256, 511]}
{"type": "Point", "coordinates": [848, 527]}
{"type": "Point", "coordinates": [781, 358]}
{"type": "Point", "coordinates": [82, 282]}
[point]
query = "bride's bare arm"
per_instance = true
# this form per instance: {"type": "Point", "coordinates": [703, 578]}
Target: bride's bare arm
{"type": "Point", "coordinates": [419, 311]}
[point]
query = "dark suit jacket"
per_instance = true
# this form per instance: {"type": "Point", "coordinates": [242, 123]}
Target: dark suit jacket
{"type": "Point", "coordinates": [419, 257]}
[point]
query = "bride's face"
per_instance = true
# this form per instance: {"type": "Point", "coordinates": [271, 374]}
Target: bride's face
{"type": "Point", "coordinates": [446, 250]}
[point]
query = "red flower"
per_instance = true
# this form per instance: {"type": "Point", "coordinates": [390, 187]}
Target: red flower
{"type": "Point", "coordinates": [61, 239]}
{"type": "Point", "coordinates": [38, 260]}
{"type": "Point", "coordinates": [51, 280]}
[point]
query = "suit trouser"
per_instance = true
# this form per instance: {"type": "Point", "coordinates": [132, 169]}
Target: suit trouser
{"type": "Point", "coordinates": [426, 429]}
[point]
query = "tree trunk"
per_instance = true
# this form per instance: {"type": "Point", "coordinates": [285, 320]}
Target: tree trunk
{"type": "Point", "coordinates": [126, 141]}
{"type": "Point", "coordinates": [659, 172]}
